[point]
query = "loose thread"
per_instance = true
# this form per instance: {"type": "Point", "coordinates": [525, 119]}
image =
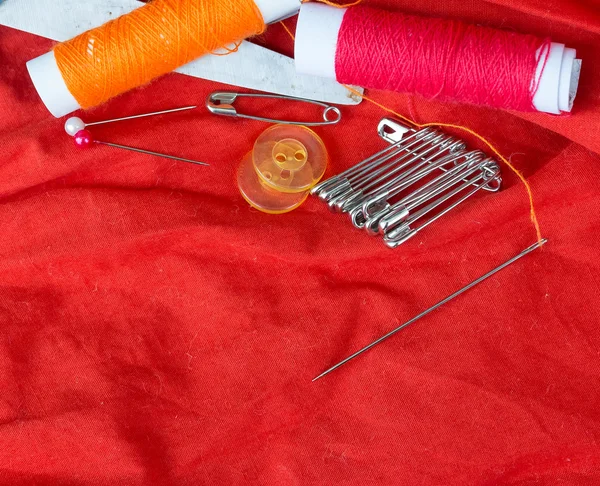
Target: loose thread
{"type": "Point", "coordinates": [481, 138]}
{"type": "Point", "coordinates": [532, 212]}
{"type": "Point", "coordinates": [287, 29]}
{"type": "Point", "coordinates": [336, 5]}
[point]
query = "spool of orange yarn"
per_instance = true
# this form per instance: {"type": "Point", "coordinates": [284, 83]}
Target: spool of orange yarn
{"type": "Point", "coordinates": [149, 42]}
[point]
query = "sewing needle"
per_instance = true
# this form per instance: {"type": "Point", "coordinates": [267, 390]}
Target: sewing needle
{"type": "Point", "coordinates": [533, 247]}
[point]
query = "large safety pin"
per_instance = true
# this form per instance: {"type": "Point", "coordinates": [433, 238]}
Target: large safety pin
{"type": "Point", "coordinates": [423, 175]}
{"type": "Point", "coordinates": [221, 103]}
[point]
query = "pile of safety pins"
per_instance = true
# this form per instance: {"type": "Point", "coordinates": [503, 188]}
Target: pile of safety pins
{"type": "Point", "coordinates": [407, 186]}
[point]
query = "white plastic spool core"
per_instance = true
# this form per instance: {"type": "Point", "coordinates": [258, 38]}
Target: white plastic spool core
{"type": "Point", "coordinates": [53, 91]}
{"type": "Point", "coordinates": [569, 77]}
{"type": "Point", "coordinates": [316, 46]}
{"type": "Point", "coordinates": [276, 10]}
{"type": "Point", "coordinates": [317, 39]}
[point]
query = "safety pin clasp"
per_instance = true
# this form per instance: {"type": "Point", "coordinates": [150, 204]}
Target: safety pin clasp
{"type": "Point", "coordinates": [222, 103]}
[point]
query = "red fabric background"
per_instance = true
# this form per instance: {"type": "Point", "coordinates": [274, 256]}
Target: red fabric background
{"type": "Point", "coordinates": [156, 330]}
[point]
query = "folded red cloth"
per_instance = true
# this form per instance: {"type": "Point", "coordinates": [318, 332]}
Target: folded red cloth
{"type": "Point", "coordinates": [156, 330]}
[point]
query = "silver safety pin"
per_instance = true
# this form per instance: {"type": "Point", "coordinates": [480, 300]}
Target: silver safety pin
{"type": "Point", "coordinates": [221, 103]}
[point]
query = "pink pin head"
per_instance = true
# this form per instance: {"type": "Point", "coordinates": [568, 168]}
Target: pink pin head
{"type": "Point", "coordinates": [83, 139]}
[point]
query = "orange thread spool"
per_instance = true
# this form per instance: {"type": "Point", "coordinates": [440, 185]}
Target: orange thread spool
{"type": "Point", "coordinates": [151, 41]}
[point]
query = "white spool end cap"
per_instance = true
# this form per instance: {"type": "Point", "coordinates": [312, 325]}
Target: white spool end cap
{"type": "Point", "coordinates": [569, 80]}
{"type": "Point", "coordinates": [276, 10]}
{"type": "Point", "coordinates": [558, 79]}
{"type": "Point", "coordinates": [317, 38]}
{"type": "Point", "coordinates": [51, 87]}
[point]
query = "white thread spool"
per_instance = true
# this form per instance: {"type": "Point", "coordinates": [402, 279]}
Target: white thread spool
{"type": "Point", "coordinates": [53, 91]}
{"type": "Point", "coordinates": [316, 46]}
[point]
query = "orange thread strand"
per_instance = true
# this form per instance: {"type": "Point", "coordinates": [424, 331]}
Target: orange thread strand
{"type": "Point", "coordinates": [333, 4]}
{"type": "Point", "coordinates": [532, 213]}
{"type": "Point", "coordinates": [153, 40]}
{"type": "Point", "coordinates": [287, 29]}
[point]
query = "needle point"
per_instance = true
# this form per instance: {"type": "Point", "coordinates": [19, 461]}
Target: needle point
{"type": "Point", "coordinates": [525, 252]}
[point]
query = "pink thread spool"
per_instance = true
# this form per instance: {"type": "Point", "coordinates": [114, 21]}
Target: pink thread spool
{"type": "Point", "coordinates": [437, 58]}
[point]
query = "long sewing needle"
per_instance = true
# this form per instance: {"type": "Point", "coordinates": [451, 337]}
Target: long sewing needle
{"type": "Point", "coordinates": [439, 304]}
